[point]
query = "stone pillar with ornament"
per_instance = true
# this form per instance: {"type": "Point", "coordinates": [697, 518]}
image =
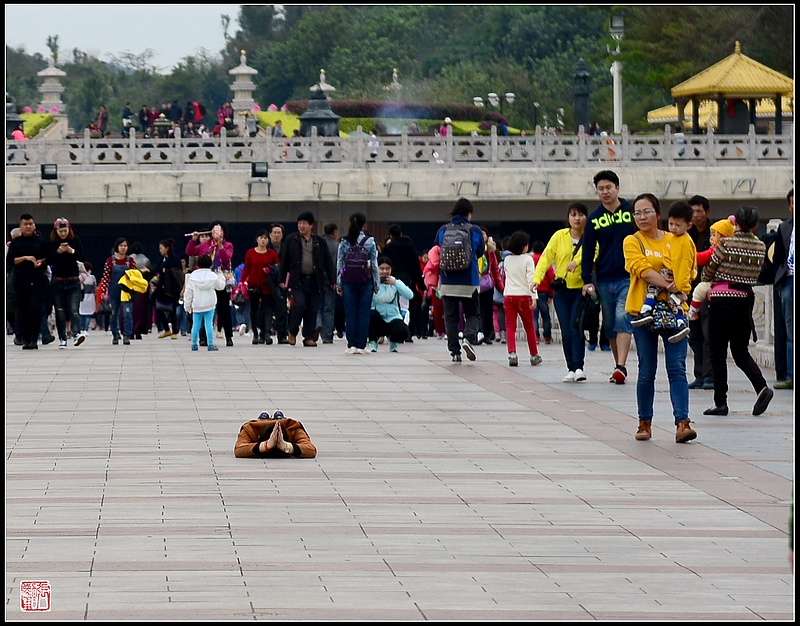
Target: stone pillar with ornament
{"type": "Point", "coordinates": [52, 89]}
{"type": "Point", "coordinates": [243, 87]}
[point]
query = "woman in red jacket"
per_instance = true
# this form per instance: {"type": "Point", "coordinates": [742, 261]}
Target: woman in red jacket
{"type": "Point", "coordinates": [259, 277]}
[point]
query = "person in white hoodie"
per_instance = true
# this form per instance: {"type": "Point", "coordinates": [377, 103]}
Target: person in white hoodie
{"type": "Point", "coordinates": [200, 299]}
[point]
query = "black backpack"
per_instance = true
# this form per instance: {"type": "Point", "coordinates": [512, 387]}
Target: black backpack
{"type": "Point", "coordinates": [357, 268]}
{"type": "Point", "coordinates": [456, 248]}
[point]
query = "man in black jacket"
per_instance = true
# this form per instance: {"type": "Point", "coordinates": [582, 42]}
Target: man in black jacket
{"type": "Point", "coordinates": [406, 267]}
{"type": "Point", "coordinates": [306, 269]}
{"type": "Point", "coordinates": [27, 257]}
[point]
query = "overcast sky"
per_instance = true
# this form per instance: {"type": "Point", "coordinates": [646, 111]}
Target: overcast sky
{"type": "Point", "coordinates": [171, 31]}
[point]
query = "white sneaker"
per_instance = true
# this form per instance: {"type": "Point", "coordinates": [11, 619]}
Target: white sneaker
{"type": "Point", "coordinates": [80, 339]}
{"type": "Point", "coordinates": [351, 350]}
{"type": "Point", "coordinates": [242, 330]}
{"type": "Point", "coordinates": [62, 343]}
{"type": "Point", "coordinates": [569, 378]}
{"type": "Point", "coordinates": [579, 375]}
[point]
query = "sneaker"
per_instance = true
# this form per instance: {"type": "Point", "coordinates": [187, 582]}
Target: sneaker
{"type": "Point", "coordinates": [683, 432]}
{"type": "Point", "coordinates": [619, 375]}
{"type": "Point", "coordinates": [373, 346]}
{"type": "Point", "coordinates": [644, 433]}
{"type": "Point", "coordinates": [351, 350]}
{"type": "Point", "coordinates": [784, 384]}
{"type": "Point", "coordinates": [480, 338]}
{"type": "Point", "coordinates": [327, 341]}
{"type": "Point", "coordinates": [569, 378]}
{"type": "Point", "coordinates": [361, 351]}
{"type": "Point", "coordinates": [174, 336]}
{"type": "Point", "coordinates": [678, 336]}
{"type": "Point", "coordinates": [469, 350]}
{"type": "Point", "coordinates": [165, 334]}
{"type": "Point", "coordinates": [62, 343]}
{"type": "Point", "coordinates": [194, 347]}
{"type": "Point", "coordinates": [48, 340]}
{"type": "Point", "coordinates": [579, 375]}
{"type": "Point", "coordinates": [79, 339]}
{"type": "Point", "coordinates": [392, 346]}
{"type": "Point", "coordinates": [502, 336]}
{"type": "Point", "coordinates": [115, 340]}
{"type": "Point", "coordinates": [763, 400]}
{"type": "Point", "coordinates": [535, 359]}
{"type": "Point", "coordinates": [513, 361]}
{"type": "Point", "coordinates": [242, 329]}
{"type": "Point", "coordinates": [212, 348]}
{"type": "Point", "coordinates": [126, 341]}
{"type": "Point", "coordinates": [709, 384]}
{"type": "Point", "coordinates": [255, 341]}
{"type": "Point", "coordinates": [456, 358]}
{"type": "Point", "coordinates": [229, 342]}
{"type": "Point", "coordinates": [696, 384]}
{"type": "Point", "coordinates": [30, 346]}
{"type": "Point", "coordinates": [266, 340]}
{"type": "Point", "coordinates": [548, 340]}
{"type": "Point", "coordinates": [642, 320]}
{"type": "Point", "coordinates": [592, 347]}
{"type": "Point", "coordinates": [292, 339]}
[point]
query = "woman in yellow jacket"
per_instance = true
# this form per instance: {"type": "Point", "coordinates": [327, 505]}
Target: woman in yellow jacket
{"type": "Point", "coordinates": [644, 257]}
{"type": "Point", "coordinates": [564, 252]}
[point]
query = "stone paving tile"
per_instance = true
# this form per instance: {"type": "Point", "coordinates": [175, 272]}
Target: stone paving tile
{"type": "Point", "coordinates": [441, 492]}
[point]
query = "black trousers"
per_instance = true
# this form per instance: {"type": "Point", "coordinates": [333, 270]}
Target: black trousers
{"type": "Point", "coordinates": [305, 304]}
{"type": "Point", "coordinates": [457, 309]}
{"type": "Point", "coordinates": [729, 323]}
{"type": "Point", "coordinates": [396, 330]}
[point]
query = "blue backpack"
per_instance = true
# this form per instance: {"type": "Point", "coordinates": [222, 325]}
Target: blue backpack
{"type": "Point", "coordinates": [357, 268]}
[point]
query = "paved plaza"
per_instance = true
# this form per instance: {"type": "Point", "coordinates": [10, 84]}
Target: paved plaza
{"type": "Point", "coordinates": [440, 492]}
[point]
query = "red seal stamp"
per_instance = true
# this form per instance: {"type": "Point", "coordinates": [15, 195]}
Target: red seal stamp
{"type": "Point", "coordinates": [34, 595]}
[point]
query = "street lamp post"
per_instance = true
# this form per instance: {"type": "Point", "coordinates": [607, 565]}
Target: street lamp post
{"type": "Point", "coordinates": [535, 114]}
{"type": "Point", "coordinates": [495, 100]}
{"type": "Point", "coordinates": [617, 30]}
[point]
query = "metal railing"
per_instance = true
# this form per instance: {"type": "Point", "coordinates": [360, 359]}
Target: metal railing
{"type": "Point", "coordinates": [401, 151]}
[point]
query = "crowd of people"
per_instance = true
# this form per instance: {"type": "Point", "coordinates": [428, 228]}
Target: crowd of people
{"type": "Point", "coordinates": [606, 273]}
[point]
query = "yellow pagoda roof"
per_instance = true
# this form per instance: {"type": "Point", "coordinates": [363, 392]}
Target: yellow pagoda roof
{"type": "Point", "coordinates": [707, 114]}
{"type": "Point", "coordinates": [735, 76]}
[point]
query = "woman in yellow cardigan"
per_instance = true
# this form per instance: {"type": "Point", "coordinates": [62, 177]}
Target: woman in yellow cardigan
{"type": "Point", "coordinates": [644, 257]}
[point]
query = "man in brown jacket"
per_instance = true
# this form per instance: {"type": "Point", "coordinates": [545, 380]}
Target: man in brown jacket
{"type": "Point", "coordinates": [275, 436]}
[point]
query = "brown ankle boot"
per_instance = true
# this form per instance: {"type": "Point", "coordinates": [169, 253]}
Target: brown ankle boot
{"type": "Point", "coordinates": [684, 432]}
{"type": "Point", "coordinates": [643, 434]}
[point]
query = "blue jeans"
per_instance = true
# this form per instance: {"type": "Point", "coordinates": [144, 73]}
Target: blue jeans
{"type": "Point", "coordinates": [543, 310]}
{"type": "Point", "coordinates": [675, 357]}
{"type": "Point", "coordinates": [572, 341]}
{"type": "Point", "coordinates": [66, 296]}
{"type": "Point", "coordinates": [787, 308]}
{"type": "Point", "coordinates": [327, 311]}
{"type": "Point", "coordinates": [127, 316]}
{"type": "Point", "coordinates": [357, 305]}
{"type": "Point", "coordinates": [612, 303]}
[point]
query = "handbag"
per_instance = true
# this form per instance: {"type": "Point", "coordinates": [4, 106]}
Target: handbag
{"type": "Point", "coordinates": [559, 284]}
{"type": "Point", "coordinates": [486, 283]}
{"type": "Point", "coordinates": [664, 318]}
{"type": "Point", "coordinates": [238, 299]}
{"type": "Point", "coordinates": [104, 307]}
{"type": "Point", "coordinates": [164, 307]}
